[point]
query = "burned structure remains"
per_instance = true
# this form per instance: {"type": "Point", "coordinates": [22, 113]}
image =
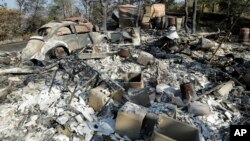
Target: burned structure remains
{"type": "Point", "coordinates": [134, 83]}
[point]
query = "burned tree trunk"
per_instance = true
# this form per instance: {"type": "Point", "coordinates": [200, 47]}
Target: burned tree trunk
{"type": "Point", "coordinates": [90, 13]}
{"type": "Point", "coordinates": [104, 4]}
{"type": "Point", "coordinates": [194, 16]}
{"type": "Point", "coordinates": [139, 13]}
{"type": "Point", "coordinates": [186, 16]}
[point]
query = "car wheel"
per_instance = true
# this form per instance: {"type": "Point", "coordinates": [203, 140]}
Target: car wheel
{"type": "Point", "coordinates": [57, 52]}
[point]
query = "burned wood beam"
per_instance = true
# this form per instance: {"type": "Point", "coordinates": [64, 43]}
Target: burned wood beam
{"type": "Point", "coordinates": [18, 71]}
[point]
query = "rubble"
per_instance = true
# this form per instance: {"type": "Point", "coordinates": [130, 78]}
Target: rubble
{"type": "Point", "coordinates": [129, 93]}
{"type": "Point", "coordinates": [141, 97]}
{"type": "Point", "coordinates": [205, 43]}
{"type": "Point", "coordinates": [134, 80]}
{"type": "Point", "coordinates": [169, 130]}
{"type": "Point", "coordinates": [225, 88]}
{"type": "Point", "coordinates": [198, 109]}
{"type": "Point", "coordinates": [97, 98]}
{"type": "Point", "coordinates": [145, 58]}
{"type": "Point", "coordinates": [129, 120]}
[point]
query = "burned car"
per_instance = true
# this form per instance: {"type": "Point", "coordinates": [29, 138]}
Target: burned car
{"type": "Point", "coordinates": [57, 39]}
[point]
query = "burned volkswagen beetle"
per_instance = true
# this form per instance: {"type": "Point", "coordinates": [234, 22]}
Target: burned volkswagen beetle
{"type": "Point", "coordinates": [58, 39]}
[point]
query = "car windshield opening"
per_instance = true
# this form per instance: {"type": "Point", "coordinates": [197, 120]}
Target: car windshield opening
{"type": "Point", "coordinates": [44, 31]}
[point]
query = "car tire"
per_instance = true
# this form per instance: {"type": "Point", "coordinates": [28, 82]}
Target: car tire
{"type": "Point", "coordinates": [57, 52]}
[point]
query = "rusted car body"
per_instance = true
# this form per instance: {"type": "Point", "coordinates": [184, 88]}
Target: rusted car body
{"type": "Point", "coordinates": [57, 39]}
{"type": "Point", "coordinates": [83, 21]}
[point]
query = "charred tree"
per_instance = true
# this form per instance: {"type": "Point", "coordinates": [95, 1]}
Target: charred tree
{"type": "Point", "coordinates": [186, 16]}
{"type": "Point", "coordinates": [104, 4]}
{"type": "Point", "coordinates": [194, 16]}
{"type": "Point", "coordinates": [139, 12]}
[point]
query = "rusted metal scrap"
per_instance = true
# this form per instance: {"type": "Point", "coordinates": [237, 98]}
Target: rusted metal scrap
{"type": "Point", "coordinates": [188, 92]}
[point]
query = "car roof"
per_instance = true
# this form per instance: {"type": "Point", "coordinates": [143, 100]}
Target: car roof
{"type": "Point", "coordinates": [57, 24]}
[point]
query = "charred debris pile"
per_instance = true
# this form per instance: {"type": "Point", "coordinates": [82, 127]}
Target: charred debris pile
{"type": "Point", "coordinates": [143, 84]}
{"type": "Point", "coordinates": [161, 90]}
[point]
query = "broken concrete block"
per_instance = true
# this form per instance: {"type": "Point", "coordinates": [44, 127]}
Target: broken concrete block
{"type": "Point", "coordinates": [62, 119]}
{"type": "Point", "coordinates": [133, 80]}
{"type": "Point", "coordinates": [129, 120]}
{"type": "Point", "coordinates": [117, 95]}
{"type": "Point", "coordinates": [97, 98]}
{"type": "Point", "coordinates": [172, 130]}
{"type": "Point", "coordinates": [149, 123]}
{"type": "Point", "coordinates": [153, 113]}
{"type": "Point", "coordinates": [136, 36]}
{"type": "Point", "coordinates": [205, 43]}
{"type": "Point", "coordinates": [79, 119]}
{"type": "Point", "coordinates": [225, 88]}
{"type": "Point", "coordinates": [199, 109]}
{"type": "Point", "coordinates": [140, 97]}
{"type": "Point", "coordinates": [157, 136]}
{"type": "Point", "coordinates": [145, 58]}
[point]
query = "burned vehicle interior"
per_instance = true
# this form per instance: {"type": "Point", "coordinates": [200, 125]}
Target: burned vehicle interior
{"type": "Point", "coordinates": [44, 31]}
{"type": "Point", "coordinates": [143, 77]}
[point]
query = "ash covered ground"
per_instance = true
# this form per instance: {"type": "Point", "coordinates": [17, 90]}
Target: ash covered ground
{"type": "Point", "coordinates": [94, 99]}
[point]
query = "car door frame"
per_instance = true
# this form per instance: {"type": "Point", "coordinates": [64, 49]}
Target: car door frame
{"type": "Point", "coordinates": [69, 39]}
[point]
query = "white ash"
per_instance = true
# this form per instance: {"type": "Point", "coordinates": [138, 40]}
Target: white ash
{"type": "Point", "coordinates": [158, 108]}
{"type": "Point", "coordinates": [132, 108]}
{"type": "Point", "coordinates": [32, 113]}
{"type": "Point", "coordinates": [174, 74]}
